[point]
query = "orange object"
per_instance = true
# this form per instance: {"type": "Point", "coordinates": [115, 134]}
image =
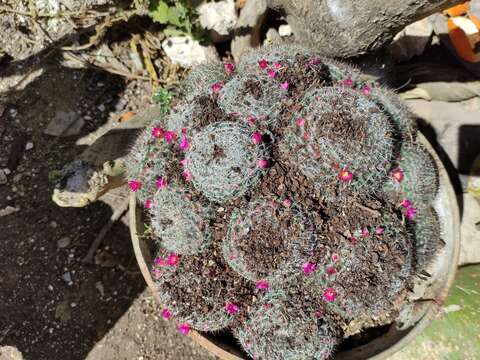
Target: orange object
{"type": "Point", "coordinates": [458, 10]}
{"type": "Point", "coordinates": [464, 31]}
{"type": "Point", "coordinates": [127, 116]}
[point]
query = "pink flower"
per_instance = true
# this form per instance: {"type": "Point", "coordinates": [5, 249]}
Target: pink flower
{"type": "Point", "coordinates": [256, 138]}
{"type": "Point", "coordinates": [157, 132]}
{"type": "Point", "coordinates": [263, 64]}
{"type": "Point", "coordinates": [159, 261]}
{"type": "Point", "coordinates": [309, 268]}
{"type": "Point", "coordinates": [277, 65]}
{"type": "Point", "coordinates": [173, 259]}
{"type": "Point", "coordinates": [161, 183]}
{"type": "Point", "coordinates": [314, 61]}
{"type": "Point", "coordinates": [329, 294]}
{"type": "Point", "coordinates": [318, 314]}
{"type": "Point", "coordinates": [345, 175]}
{"type": "Point", "coordinates": [267, 305]}
{"type": "Point", "coordinates": [187, 175]}
{"type": "Point", "coordinates": [406, 203]}
{"type": "Point", "coordinates": [335, 257]}
{"type": "Point", "coordinates": [300, 122]}
{"type": "Point", "coordinates": [271, 73]}
{"type": "Point", "coordinates": [134, 185]}
{"type": "Point", "coordinates": [305, 135]}
{"type": "Point", "coordinates": [148, 204]}
{"type": "Point", "coordinates": [229, 68]}
{"type": "Point", "coordinates": [366, 90]}
{"type": "Point", "coordinates": [262, 285]}
{"type": "Point", "coordinates": [287, 203]}
{"type": "Point", "coordinates": [183, 162]}
{"type": "Point", "coordinates": [184, 328]}
{"type": "Point", "coordinates": [397, 174]}
{"type": "Point", "coordinates": [262, 163]}
{"type": "Point", "coordinates": [251, 119]}
{"type": "Point", "coordinates": [353, 240]}
{"type": "Point", "coordinates": [348, 82]}
{"type": "Point", "coordinates": [184, 130]}
{"type": "Point", "coordinates": [217, 87]}
{"type": "Point", "coordinates": [331, 270]}
{"type": "Point", "coordinates": [232, 308]}
{"type": "Point", "coordinates": [169, 136]}
{"type": "Point", "coordinates": [156, 272]}
{"type": "Point", "coordinates": [184, 143]}
{"type": "Point", "coordinates": [166, 314]}
{"type": "Point", "coordinates": [284, 85]}
{"type": "Point", "coordinates": [410, 212]}
{"type": "Point", "coordinates": [365, 232]}
{"type": "Point", "coordinates": [379, 230]}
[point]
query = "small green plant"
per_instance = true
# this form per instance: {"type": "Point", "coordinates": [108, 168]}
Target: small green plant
{"type": "Point", "coordinates": [163, 98]}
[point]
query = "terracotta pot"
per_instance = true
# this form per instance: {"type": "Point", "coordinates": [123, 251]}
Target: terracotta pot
{"type": "Point", "coordinates": [443, 274]}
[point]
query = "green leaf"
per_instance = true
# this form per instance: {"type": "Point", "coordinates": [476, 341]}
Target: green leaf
{"type": "Point", "coordinates": [175, 16]}
{"type": "Point", "coordinates": [159, 11]}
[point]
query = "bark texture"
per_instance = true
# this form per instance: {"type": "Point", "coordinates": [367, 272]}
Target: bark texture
{"type": "Point", "coordinates": [346, 28]}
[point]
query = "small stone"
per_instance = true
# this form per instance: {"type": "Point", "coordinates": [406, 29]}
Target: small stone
{"type": "Point", "coordinates": [29, 146]}
{"type": "Point", "coordinates": [101, 107]}
{"type": "Point", "coordinates": [219, 16]}
{"type": "Point", "coordinates": [50, 288]}
{"type": "Point", "coordinates": [67, 277]}
{"type": "Point", "coordinates": [73, 304]}
{"type": "Point", "coordinates": [7, 171]}
{"type": "Point", "coordinates": [53, 224]}
{"type": "Point", "coordinates": [17, 178]}
{"type": "Point", "coordinates": [100, 288]}
{"type": "Point", "coordinates": [65, 124]}
{"type": "Point", "coordinates": [187, 52]}
{"type": "Point", "coordinates": [64, 242]}
{"type": "Point", "coordinates": [3, 177]}
{"type": "Point", "coordinates": [285, 30]}
{"type": "Point", "coordinates": [8, 211]}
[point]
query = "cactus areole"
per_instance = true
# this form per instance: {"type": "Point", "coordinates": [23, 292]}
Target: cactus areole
{"type": "Point", "coordinates": [289, 203]}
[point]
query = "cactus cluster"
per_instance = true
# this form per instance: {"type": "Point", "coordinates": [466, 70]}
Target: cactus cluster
{"type": "Point", "coordinates": [289, 201]}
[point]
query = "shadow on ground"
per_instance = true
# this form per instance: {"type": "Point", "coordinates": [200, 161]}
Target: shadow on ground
{"type": "Point", "coordinates": [54, 306]}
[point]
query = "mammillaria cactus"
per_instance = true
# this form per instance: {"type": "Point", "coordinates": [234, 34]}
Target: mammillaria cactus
{"type": "Point", "coordinates": [286, 197]}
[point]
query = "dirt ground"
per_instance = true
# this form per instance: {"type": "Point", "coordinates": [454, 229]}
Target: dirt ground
{"type": "Point", "coordinates": [53, 305]}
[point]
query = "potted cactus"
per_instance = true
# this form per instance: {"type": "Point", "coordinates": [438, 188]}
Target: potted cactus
{"type": "Point", "coordinates": [290, 203]}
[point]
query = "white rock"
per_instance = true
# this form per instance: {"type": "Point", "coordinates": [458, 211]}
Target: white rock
{"type": "Point", "coordinates": [285, 30]}
{"type": "Point", "coordinates": [64, 242]}
{"type": "Point", "coordinates": [7, 171]}
{"type": "Point", "coordinates": [219, 16]}
{"type": "Point", "coordinates": [8, 211]}
{"type": "Point", "coordinates": [29, 146]}
{"type": "Point", "coordinates": [185, 51]}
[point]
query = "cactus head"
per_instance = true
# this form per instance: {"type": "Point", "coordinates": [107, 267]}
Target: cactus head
{"type": "Point", "coordinates": [367, 261]}
{"type": "Point", "coordinates": [202, 77]}
{"type": "Point", "coordinates": [252, 96]}
{"type": "Point", "coordinates": [340, 140]}
{"type": "Point", "coordinates": [198, 290]}
{"type": "Point", "coordinates": [427, 230]}
{"type": "Point", "coordinates": [181, 221]}
{"type": "Point", "coordinates": [224, 161]}
{"type": "Point", "coordinates": [283, 328]}
{"type": "Point", "coordinates": [267, 240]}
{"type": "Point", "coordinates": [414, 176]}
{"type": "Point", "coordinates": [147, 161]}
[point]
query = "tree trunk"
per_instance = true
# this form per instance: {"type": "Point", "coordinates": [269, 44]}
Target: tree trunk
{"type": "Point", "coordinates": [346, 28]}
